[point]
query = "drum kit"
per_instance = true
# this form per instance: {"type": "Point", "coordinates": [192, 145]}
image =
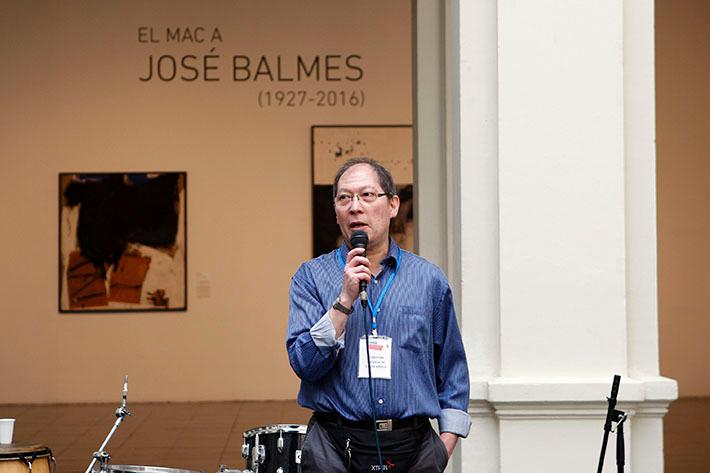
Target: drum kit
{"type": "Point", "coordinates": [266, 449]}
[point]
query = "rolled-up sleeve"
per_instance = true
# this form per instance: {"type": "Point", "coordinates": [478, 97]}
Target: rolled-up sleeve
{"type": "Point", "coordinates": [451, 369]}
{"type": "Point", "coordinates": [323, 333]}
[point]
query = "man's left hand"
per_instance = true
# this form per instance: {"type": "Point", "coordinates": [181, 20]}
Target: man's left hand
{"type": "Point", "coordinates": [449, 440]}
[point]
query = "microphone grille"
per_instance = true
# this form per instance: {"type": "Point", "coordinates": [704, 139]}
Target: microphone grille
{"type": "Point", "coordinates": [358, 239]}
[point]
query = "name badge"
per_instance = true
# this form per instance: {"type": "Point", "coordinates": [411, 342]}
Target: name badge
{"type": "Point", "coordinates": [380, 357]}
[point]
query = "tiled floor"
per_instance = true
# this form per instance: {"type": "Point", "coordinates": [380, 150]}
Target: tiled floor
{"type": "Point", "coordinates": [194, 436]}
{"type": "Point", "coordinates": [201, 436]}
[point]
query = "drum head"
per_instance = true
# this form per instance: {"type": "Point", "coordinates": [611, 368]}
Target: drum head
{"type": "Point", "coordinates": [147, 469]}
{"type": "Point", "coordinates": [276, 428]}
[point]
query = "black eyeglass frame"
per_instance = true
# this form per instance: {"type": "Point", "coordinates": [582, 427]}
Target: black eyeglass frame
{"type": "Point", "coordinates": [359, 197]}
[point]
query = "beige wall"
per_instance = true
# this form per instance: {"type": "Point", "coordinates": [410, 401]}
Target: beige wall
{"type": "Point", "coordinates": [72, 101]}
{"type": "Point", "coordinates": [683, 156]}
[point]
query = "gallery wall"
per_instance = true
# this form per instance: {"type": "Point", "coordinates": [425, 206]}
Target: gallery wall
{"type": "Point", "coordinates": [74, 101]}
{"type": "Point", "coordinates": [683, 188]}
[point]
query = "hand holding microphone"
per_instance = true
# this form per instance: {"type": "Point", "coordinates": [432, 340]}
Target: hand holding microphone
{"type": "Point", "coordinates": [359, 239]}
{"type": "Point", "coordinates": [356, 274]}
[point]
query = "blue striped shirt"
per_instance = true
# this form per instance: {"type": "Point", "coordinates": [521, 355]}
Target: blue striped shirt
{"type": "Point", "coordinates": [429, 370]}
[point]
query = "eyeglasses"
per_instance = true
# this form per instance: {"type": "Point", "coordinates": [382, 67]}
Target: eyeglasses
{"type": "Point", "coordinates": [345, 199]}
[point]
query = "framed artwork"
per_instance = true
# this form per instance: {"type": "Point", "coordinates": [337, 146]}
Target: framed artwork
{"type": "Point", "coordinates": [122, 242]}
{"type": "Point", "coordinates": [332, 146]}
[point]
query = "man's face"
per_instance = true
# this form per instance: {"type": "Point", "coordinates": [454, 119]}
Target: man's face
{"type": "Point", "coordinates": [373, 218]}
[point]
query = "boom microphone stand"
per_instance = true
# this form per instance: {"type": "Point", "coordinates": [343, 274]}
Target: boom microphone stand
{"type": "Point", "coordinates": [614, 415]}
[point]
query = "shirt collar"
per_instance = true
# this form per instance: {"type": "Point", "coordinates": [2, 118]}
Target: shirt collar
{"type": "Point", "coordinates": [390, 259]}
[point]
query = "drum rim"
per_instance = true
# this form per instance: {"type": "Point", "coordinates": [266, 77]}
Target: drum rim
{"type": "Point", "coordinates": [147, 468]}
{"type": "Point", "coordinates": [276, 428]}
{"type": "Point", "coordinates": [37, 453]}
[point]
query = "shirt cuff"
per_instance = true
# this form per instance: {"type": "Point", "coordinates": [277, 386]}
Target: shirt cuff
{"type": "Point", "coordinates": [455, 421]}
{"type": "Point", "coordinates": [323, 334]}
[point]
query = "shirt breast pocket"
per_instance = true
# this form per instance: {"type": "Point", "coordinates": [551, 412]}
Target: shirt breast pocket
{"type": "Point", "coordinates": [414, 329]}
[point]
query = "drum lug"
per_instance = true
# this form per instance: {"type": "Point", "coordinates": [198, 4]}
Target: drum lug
{"type": "Point", "coordinates": [260, 454]}
{"type": "Point", "coordinates": [298, 457]}
{"type": "Point", "coordinates": [27, 462]}
{"type": "Point", "coordinates": [245, 450]}
{"type": "Point", "coordinates": [280, 442]}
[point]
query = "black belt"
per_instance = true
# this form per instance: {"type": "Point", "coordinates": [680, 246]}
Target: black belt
{"type": "Point", "coordinates": [383, 425]}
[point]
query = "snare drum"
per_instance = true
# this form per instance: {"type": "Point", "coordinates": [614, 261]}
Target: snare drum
{"type": "Point", "coordinates": [274, 448]}
{"type": "Point", "coordinates": [25, 458]}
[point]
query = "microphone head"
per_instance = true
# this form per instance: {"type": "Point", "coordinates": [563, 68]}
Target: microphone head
{"type": "Point", "coordinates": [358, 239]}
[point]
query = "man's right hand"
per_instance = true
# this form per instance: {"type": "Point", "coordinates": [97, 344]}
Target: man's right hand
{"type": "Point", "coordinates": [357, 268]}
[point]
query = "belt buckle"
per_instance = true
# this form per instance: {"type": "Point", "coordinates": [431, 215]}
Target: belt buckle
{"type": "Point", "coordinates": [384, 425]}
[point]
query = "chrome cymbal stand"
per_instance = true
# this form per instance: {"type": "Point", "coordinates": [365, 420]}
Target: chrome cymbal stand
{"type": "Point", "coordinates": [102, 455]}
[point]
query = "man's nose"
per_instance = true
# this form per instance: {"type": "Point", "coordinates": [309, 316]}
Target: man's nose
{"type": "Point", "coordinates": [355, 204]}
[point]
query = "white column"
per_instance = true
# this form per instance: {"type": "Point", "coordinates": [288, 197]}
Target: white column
{"type": "Point", "coordinates": [640, 178]}
{"type": "Point", "coordinates": [474, 124]}
{"type": "Point", "coordinates": [553, 134]}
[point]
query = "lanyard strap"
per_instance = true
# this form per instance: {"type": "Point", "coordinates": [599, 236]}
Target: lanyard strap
{"type": "Point", "coordinates": [376, 309]}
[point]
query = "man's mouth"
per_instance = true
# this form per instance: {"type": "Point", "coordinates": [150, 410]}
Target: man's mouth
{"type": "Point", "coordinates": [357, 225]}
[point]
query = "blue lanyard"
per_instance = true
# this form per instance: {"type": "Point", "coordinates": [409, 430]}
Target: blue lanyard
{"type": "Point", "coordinates": [376, 310]}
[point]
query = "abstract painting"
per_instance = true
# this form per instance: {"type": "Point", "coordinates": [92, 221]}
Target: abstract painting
{"type": "Point", "coordinates": [122, 242]}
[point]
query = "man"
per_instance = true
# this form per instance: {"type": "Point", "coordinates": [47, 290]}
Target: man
{"type": "Point", "coordinates": [417, 360]}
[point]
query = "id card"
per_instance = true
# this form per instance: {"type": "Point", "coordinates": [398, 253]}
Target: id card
{"type": "Point", "coordinates": [380, 357]}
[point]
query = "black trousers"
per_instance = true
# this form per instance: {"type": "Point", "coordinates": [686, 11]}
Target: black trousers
{"type": "Point", "coordinates": [333, 448]}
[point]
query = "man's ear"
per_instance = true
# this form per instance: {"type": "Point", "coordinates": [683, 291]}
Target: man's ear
{"type": "Point", "coordinates": [394, 206]}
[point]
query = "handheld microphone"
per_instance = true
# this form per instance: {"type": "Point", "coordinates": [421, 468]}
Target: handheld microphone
{"type": "Point", "coordinates": [359, 239]}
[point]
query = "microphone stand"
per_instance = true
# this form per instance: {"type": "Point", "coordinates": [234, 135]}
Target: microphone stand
{"type": "Point", "coordinates": [614, 415]}
{"type": "Point", "coordinates": [620, 453]}
{"type": "Point", "coordinates": [102, 455]}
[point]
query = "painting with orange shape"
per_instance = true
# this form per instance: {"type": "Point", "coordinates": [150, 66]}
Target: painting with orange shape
{"type": "Point", "coordinates": [126, 282]}
{"type": "Point", "coordinates": [85, 283]}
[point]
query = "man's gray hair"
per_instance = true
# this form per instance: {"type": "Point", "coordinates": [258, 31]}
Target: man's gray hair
{"type": "Point", "coordinates": [383, 175]}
